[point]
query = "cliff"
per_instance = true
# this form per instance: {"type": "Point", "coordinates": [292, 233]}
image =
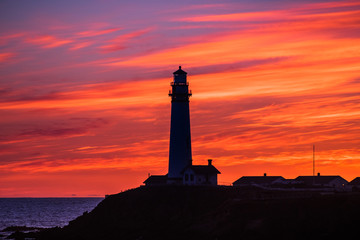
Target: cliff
{"type": "Point", "coordinates": [215, 213]}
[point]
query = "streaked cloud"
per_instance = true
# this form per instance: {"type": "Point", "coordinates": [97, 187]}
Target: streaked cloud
{"type": "Point", "coordinates": [92, 33]}
{"type": "Point", "coordinates": [87, 101]}
{"type": "Point", "coordinates": [5, 56]}
{"type": "Point", "coordinates": [48, 41]}
{"type": "Point", "coordinates": [118, 43]}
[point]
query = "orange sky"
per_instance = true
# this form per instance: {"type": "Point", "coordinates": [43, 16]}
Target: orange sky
{"type": "Point", "coordinates": [84, 106]}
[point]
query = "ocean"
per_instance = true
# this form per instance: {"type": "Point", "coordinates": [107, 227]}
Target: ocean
{"type": "Point", "coordinates": [43, 212]}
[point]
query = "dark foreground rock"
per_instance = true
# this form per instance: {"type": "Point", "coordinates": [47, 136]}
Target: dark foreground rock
{"type": "Point", "coordinates": [19, 228]}
{"type": "Point", "coordinates": [18, 232]}
{"type": "Point", "coordinates": [215, 213]}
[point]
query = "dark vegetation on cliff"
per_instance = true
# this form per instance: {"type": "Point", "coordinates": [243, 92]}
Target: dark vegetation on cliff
{"type": "Point", "coordinates": [178, 212]}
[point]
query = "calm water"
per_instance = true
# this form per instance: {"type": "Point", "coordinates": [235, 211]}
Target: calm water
{"type": "Point", "coordinates": [43, 212]}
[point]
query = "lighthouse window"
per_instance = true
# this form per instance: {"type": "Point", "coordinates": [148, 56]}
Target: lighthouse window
{"type": "Point", "coordinates": [186, 177]}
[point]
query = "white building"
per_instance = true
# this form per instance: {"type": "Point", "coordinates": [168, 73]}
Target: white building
{"type": "Point", "coordinates": [200, 174]}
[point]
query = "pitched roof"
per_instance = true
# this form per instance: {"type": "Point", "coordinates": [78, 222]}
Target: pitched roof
{"type": "Point", "coordinates": [257, 180]}
{"type": "Point", "coordinates": [203, 169]}
{"type": "Point", "coordinates": [317, 179]}
{"type": "Point", "coordinates": [355, 181]}
{"type": "Point", "coordinates": [180, 71]}
{"type": "Point", "coordinates": [156, 179]}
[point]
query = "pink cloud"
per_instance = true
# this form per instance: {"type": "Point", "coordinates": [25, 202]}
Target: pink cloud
{"type": "Point", "coordinates": [80, 45]}
{"type": "Point", "coordinates": [119, 42]}
{"type": "Point", "coordinates": [248, 16]}
{"type": "Point", "coordinates": [5, 39]}
{"type": "Point", "coordinates": [93, 33]}
{"type": "Point", "coordinates": [6, 56]}
{"type": "Point", "coordinates": [48, 41]}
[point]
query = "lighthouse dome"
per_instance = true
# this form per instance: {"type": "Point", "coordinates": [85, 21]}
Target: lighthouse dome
{"type": "Point", "coordinates": [179, 71]}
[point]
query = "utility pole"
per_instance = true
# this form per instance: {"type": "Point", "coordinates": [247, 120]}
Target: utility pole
{"type": "Point", "coordinates": [313, 164]}
{"type": "Point", "coordinates": [313, 159]}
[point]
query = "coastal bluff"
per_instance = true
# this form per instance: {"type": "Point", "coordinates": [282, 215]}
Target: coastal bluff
{"type": "Point", "coordinates": [183, 212]}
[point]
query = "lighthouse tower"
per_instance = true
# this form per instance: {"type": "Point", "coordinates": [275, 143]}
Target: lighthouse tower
{"type": "Point", "coordinates": [181, 170]}
{"type": "Point", "coordinates": [180, 138]}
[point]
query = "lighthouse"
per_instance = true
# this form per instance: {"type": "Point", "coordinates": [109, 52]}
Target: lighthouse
{"type": "Point", "coordinates": [180, 137]}
{"type": "Point", "coordinates": [181, 170]}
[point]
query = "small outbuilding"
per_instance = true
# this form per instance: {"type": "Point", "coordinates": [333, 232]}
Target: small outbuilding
{"type": "Point", "coordinates": [332, 181]}
{"type": "Point", "coordinates": [200, 174]}
{"type": "Point", "coordinates": [355, 184]}
{"type": "Point", "coordinates": [156, 180]}
{"type": "Point", "coordinates": [259, 180]}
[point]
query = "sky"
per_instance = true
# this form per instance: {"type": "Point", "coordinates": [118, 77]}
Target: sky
{"type": "Point", "coordinates": [84, 106]}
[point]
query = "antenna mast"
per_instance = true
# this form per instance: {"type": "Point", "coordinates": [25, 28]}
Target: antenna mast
{"type": "Point", "coordinates": [313, 159]}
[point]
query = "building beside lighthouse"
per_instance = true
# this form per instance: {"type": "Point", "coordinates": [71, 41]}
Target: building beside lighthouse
{"type": "Point", "coordinates": [200, 174]}
{"type": "Point", "coordinates": [181, 170]}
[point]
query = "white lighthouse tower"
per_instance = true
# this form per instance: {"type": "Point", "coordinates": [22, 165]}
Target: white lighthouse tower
{"type": "Point", "coordinates": [181, 170]}
{"type": "Point", "coordinates": [180, 137]}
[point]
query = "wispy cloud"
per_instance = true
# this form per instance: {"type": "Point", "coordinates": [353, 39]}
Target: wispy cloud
{"type": "Point", "coordinates": [5, 56]}
{"type": "Point", "coordinates": [48, 41]}
{"type": "Point", "coordinates": [119, 42]}
{"type": "Point", "coordinates": [80, 45]}
{"type": "Point", "coordinates": [92, 33]}
{"type": "Point", "coordinates": [88, 101]}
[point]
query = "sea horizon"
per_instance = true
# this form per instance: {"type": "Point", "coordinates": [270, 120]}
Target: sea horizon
{"type": "Point", "coordinates": [43, 212]}
{"type": "Point", "coordinates": [47, 197]}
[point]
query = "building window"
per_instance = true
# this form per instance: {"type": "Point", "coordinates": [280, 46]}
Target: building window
{"type": "Point", "coordinates": [191, 177]}
{"type": "Point", "coordinates": [186, 177]}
